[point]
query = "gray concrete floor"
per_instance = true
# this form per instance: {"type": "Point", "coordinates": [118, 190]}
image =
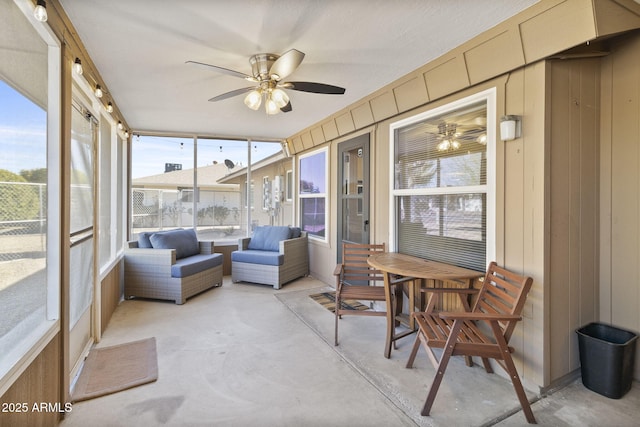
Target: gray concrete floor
{"type": "Point", "coordinates": [244, 354]}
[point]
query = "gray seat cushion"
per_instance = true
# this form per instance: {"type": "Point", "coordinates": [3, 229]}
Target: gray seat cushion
{"type": "Point", "coordinates": [258, 257]}
{"type": "Point", "coordinates": [185, 267]}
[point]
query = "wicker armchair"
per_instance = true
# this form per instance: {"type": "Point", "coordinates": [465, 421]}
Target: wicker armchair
{"type": "Point", "coordinates": [286, 260]}
{"type": "Point", "coordinates": [158, 273]}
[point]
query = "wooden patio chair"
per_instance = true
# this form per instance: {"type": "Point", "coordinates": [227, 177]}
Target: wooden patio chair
{"type": "Point", "coordinates": [356, 280]}
{"type": "Point", "coordinates": [484, 331]}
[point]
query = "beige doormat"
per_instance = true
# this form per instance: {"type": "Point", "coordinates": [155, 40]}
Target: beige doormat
{"type": "Point", "coordinates": [328, 301]}
{"type": "Point", "coordinates": [111, 369]}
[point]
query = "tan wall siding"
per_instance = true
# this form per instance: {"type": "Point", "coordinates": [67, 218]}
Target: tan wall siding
{"type": "Point", "coordinates": [40, 382]}
{"type": "Point", "coordinates": [573, 223]}
{"type": "Point", "coordinates": [284, 215]}
{"type": "Point", "coordinates": [520, 208]}
{"type": "Point", "coordinates": [620, 184]}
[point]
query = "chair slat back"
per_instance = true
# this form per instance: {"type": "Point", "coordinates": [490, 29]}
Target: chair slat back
{"type": "Point", "coordinates": [503, 292]}
{"type": "Point", "coordinates": [354, 262]}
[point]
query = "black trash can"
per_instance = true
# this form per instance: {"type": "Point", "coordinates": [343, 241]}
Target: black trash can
{"type": "Point", "coordinates": [607, 355]}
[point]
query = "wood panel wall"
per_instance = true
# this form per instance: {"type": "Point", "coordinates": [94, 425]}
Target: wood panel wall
{"type": "Point", "coordinates": [110, 295]}
{"type": "Point", "coordinates": [619, 290]}
{"type": "Point", "coordinates": [39, 383]}
{"type": "Point", "coordinates": [574, 110]}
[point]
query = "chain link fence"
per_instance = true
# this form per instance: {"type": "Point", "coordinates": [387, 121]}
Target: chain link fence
{"type": "Point", "coordinates": [23, 220]}
{"type": "Point", "coordinates": [218, 213]}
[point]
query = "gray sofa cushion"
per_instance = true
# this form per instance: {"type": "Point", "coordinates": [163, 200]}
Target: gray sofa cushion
{"type": "Point", "coordinates": [295, 232]}
{"type": "Point", "coordinates": [143, 238]}
{"type": "Point", "coordinates": [258, 257]}
{"type": "Point", "coordinates": [185, 242]}
{"type": "Point", "coordinates": [267, 238]}
{"type": "Point", "coordinates": [195, 264]}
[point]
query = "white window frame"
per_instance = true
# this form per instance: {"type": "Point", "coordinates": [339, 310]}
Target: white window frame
{"type": "Point", "coordinates": [288, 194]}
{"type": "Point", "coordinates": [324, 195]}
{"type": "Point", "coordinates": [489, 96]}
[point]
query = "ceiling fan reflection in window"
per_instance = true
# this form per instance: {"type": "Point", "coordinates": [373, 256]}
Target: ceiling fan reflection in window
{"type": "Point", "coordinates": [268, 71]}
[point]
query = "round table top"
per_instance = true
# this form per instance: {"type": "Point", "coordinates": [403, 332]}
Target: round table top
{"type": "Point", "coordinates": [411, 266]}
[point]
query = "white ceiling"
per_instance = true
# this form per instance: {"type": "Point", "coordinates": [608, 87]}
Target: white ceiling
{"type": "Point", "coordinates": [140, 48]}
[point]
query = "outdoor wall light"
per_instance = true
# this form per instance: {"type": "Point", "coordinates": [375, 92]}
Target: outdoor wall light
{"type": "Point", "coordinates": [510, 127]}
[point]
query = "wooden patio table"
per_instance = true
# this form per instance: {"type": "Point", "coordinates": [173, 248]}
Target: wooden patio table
{"type": "Point", "coordinates": [423, 270]}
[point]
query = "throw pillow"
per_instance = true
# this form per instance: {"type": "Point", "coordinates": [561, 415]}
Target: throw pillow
{"type": "Point", "coordinates": [185, 242]}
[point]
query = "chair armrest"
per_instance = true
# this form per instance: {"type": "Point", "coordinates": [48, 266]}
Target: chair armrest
{"type": "Point", "coordinates": [338, 270]}
{"type": "Point", "coordinates": [206, 247]}
{"type": "Point", "coordinates": [454, 315]}
{"type": "Point", "coordinates": [146, 260]}
{"type": "Point", "coordinates": [291, 245]}
{"type": "Point", "coordinates": [243, 244]}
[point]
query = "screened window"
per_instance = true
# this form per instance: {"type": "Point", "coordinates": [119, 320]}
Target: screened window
{"type": "Point", "coordinates": [441, 164]}
{"type": "Point", "coordinates": [312, 190]}
{"type": "Point", "coordinates": [184, 182]}
{"type": "Point", "coordinates": [29, 206]}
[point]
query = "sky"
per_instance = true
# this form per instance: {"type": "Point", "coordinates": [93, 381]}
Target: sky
{"type": "Point", "coordinates": [23, 142]}
{"type": "Point", "coordinates": [23, 127]}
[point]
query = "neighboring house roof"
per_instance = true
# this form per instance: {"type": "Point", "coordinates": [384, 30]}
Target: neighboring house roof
{"type": "Point", "coordinates": [255, 167]}
{"type": "Point", "coordinates": [208, 177]}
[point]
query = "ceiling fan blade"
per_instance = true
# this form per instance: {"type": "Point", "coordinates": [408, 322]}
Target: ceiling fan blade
{"type": "Point", "coordinates": [221, 70]}
{"type": "Point", "coordinates": [286, 64]}
{"type": "Point", "coordinates": [286, 108]}
{"type": "Point", "coordinates": [314, 88]}
{"type": "Point", "coordinates": [231, 94]}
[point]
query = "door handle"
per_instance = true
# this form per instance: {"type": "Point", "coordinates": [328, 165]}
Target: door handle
{"type": "Point", "coordinates": [366, 224]}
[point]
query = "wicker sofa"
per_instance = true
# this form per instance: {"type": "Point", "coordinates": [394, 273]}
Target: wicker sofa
{"type": "Point", "coordinates": [170, 265]}
{"type": "Point", "coordinates": [274, 255]}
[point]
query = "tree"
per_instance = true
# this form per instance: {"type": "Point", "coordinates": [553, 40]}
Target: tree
{"type": "Point", "coordinates": [35, 175]}
{"type": "Point", "coordinates": [17, 201]}
{"type": "Point", "coordinates": [220, 214]}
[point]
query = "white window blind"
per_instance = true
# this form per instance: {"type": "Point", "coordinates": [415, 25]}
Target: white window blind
{"type": "Point", "coordinates": [440, 186]}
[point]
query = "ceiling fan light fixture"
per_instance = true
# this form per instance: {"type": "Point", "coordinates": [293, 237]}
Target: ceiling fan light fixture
{"type": "Point", "coordinates": [448, 145]}
{"type": "Point", "coordinates": [280, 97]}
{"type": "Point", "coordinates": [253, 99]}
{"type": "Point", "coordinates": [270, 106]}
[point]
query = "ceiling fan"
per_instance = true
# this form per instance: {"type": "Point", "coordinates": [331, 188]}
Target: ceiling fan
{"type": "Point", "coordinates": [268, 71]}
